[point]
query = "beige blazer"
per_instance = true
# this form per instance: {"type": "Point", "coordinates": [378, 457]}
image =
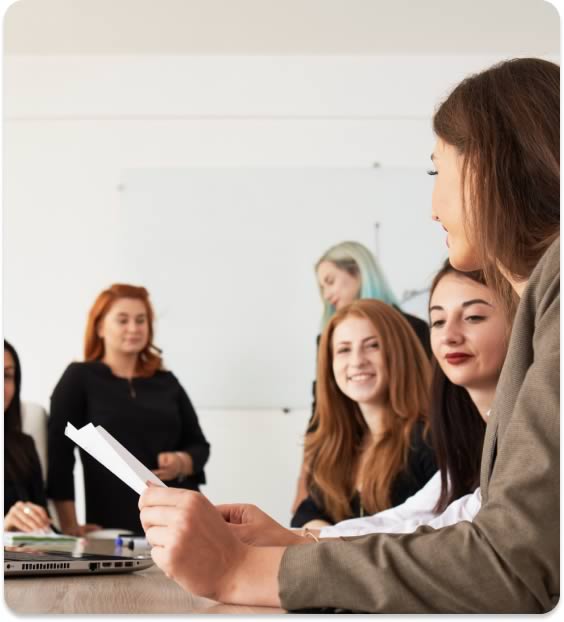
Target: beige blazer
{"type": "Point", "coordinates": [507, 560]}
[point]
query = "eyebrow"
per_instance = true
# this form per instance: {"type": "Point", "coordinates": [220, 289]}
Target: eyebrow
{"type": "Point", "coordinates": [365, 339]}
{"type": "Point", "coordinates": [467, 303]}
{"type": "Point", "coordinates": [124, 314]}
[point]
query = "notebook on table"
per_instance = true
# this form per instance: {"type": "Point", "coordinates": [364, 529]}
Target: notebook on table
{"type": "Point", "coordinates": [34, 561]}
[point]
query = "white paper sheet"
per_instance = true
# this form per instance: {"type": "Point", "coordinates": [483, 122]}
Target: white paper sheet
{"type": "Point", "coordinates": [100, 444]}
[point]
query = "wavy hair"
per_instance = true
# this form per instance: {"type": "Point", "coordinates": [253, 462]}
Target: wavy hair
{"type": "Point", "coordinates": [357, 260]}
{"type": "Point", "coordinates": [332, 449]}
{"type": "Point", "coordinates": [149, 360]}
{"type": "Point", "coordinates": [505, 122]}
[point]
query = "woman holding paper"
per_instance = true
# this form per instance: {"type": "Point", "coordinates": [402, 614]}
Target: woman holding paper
{"type": "Point", "coordinates": [122, 387]}
{"type": "Point", "coordinates": [497, 195]}
{"type": "Point", "coordinates": [24, 496]}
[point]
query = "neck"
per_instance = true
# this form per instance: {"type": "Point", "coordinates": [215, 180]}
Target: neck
{"type": "Point", "coordinates": [122, 365]}
{"type": "Point", "coordinates": [518, 286]}
{"type": "Point", "coordinates": [374, 416]}
{"type": "Point", "coordinates": [483, 399]}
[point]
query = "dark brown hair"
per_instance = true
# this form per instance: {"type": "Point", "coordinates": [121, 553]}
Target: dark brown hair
{"type": "Point", "coordinates": [149, 359]}
{"type": "Point", "coordinates": [457, 428]}
{"type": "Point", "coordinates": [333, 448]}
{"type": "Point", "coordinates": [18, 456]}
{"type": "Point", "coordinates": [505, 122]}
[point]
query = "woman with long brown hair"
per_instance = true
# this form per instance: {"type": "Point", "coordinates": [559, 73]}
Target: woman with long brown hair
{"type": "Point", "coordinates": [497, 194]}
{"type": "Point", "coordinates": [122, 386]}
{"type": "Point", "coordinates": [368, 449]}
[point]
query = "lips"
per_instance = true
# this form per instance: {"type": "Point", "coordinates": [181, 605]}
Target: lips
{"type": "Point", "coordinates": [362, 377]}
{"type": "Point", "coordinates": [456, 358]}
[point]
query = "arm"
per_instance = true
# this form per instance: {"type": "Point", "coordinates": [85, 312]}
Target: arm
{"type": "Point", "coordinates": [193, 443]}
{"type": "Point", "coordinates": [507, 560]}
{"type": "Point", "coordinates": [68, 403]}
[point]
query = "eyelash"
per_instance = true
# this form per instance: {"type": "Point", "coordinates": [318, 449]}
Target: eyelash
{"type": "Point", "coordinates": [432, 172]}
{"type": "Point", "coordinates": [472, 318]}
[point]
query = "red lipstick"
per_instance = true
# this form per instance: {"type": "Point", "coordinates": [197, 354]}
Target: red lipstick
{"type": "Point", "coordinates": [456, 358]}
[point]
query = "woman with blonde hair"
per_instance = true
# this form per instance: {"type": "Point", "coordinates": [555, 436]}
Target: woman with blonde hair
{"type": "Point", "coordinates": [122, 386]}
{"type": "Point", "coordinates": [368, 449]}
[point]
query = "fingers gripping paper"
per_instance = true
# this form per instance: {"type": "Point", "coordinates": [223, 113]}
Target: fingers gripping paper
{"type": "Point", "coordinates": [101, 445]}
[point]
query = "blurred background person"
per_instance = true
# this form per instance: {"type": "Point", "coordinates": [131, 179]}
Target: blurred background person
{"type": "Point", "coordinates": [123, 387]}
{"type": "Point", "coordinates": [25, 502]}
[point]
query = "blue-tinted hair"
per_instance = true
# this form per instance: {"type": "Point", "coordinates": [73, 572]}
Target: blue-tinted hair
{"type": "Point", "coordinates": [357, 260]}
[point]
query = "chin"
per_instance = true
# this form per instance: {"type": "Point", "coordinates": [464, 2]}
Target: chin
{"type": "Point", "coordinates": [465, 262]}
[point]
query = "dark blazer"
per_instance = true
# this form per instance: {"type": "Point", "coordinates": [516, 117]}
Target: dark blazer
{"type": "Point", "coordinates": [508, 559]}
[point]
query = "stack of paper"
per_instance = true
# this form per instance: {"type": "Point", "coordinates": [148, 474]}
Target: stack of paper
{"type": "Point", "coordinates": [15, 537]}
{"type": "Point", "coordinates": [101, 445]}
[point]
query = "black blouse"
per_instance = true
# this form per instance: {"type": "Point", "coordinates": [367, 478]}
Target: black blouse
{"type": "Point", "coordinates": [421, 466]}
{"type": "Point", "coordinates": [146, 415]}
{"type": "Point", "coordinates": [29, 488]}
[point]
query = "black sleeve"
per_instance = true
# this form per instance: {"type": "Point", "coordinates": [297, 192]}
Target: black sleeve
{"type": "Point", "coordinates": [68, 403]}
{"type": "Point", "coordinates": [309, 510]}
{"type": "Point", "coordinates": [193, 440]}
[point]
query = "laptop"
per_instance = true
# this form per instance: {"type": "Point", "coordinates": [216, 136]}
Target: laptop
{"type": "Point", "coordinates": [32, 561]}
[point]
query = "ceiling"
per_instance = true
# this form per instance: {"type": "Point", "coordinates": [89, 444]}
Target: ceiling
{"type": "Point", "coordinates": [282, 27]}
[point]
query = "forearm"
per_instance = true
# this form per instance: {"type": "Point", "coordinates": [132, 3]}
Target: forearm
{"type": "Point", "coordinates": [66, 512]}
{"type": "Point", "coordinates": [255, 580]}
{"type": "Point", "coordinates": [186, 463]}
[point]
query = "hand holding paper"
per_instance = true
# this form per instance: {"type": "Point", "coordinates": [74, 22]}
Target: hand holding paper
{"type": "Point", "coordinates": [101, 445]}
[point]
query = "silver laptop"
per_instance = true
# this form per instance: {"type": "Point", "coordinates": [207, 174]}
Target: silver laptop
{"type": "Point", "coordinates": [21, 561]}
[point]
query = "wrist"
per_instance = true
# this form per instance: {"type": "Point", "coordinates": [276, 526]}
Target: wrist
{"type": "Point", "coordinates": [254, 577]}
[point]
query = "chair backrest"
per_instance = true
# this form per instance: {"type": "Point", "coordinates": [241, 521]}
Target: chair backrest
{"type": "Point", "coordinates": [34, 423]}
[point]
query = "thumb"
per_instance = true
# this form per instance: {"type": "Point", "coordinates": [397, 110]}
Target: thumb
{"type": "Point", "coordinates": [231, 512]}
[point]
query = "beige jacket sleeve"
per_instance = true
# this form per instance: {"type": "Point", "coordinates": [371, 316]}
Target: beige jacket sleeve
{"type": "Point", "coordinates": [507, 560]}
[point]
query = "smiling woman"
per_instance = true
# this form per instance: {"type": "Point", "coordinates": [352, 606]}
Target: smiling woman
{"type": "Point", "coordinates": [367, 450]}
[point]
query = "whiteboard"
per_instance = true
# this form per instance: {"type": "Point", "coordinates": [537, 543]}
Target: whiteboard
{"type": "Point", "coordinates": [228, 257]}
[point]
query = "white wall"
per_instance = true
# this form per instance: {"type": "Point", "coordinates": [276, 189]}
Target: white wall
{"type": "Point", "coordinates": [73, 124]}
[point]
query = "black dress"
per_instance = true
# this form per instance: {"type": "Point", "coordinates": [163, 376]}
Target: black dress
{"type": "Point", "coordinates": [28, 488]}
{"type": "Point", "coordinates": [421, 466]}
{"type": "Point", "coordinates": [146, 415]}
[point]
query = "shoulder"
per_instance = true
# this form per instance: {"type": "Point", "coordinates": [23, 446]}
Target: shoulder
{"type": "Point", "coordinates": [85, 368]}
{"type": "Point", "coordinates": [77, 375]}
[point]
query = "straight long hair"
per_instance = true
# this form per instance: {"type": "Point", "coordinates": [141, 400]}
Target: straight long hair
{"type": "Point", "coordinates": [18, 461]}
{"type": "Point", "coordinates": [149, 359]}
{"type": "Point", "coordinates": [457, 428]}
{"type": "Point", "coordinates": [505, 122]}
{"type": "Point", "coordinates": [332, 449]}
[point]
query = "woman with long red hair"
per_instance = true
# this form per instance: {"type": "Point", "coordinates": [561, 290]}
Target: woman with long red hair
{"type": "Point", "coordinates": [122, 386]}
{"type": "Point", "coordinates": [368, 450]}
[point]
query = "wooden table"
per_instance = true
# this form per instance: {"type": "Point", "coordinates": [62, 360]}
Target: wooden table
{"type": "Point", "coordinates": [147, 591]}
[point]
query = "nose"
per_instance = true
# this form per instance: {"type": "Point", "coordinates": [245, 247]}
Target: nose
{"type": "Point", "coordinates": [452, 335]}
{"type": "Point", "coordinates": [358, 357]}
